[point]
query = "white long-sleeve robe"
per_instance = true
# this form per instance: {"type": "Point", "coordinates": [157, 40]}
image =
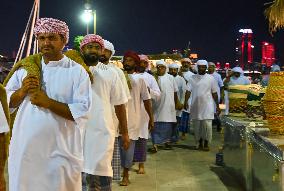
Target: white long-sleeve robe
{"type": "Point", "coordinates": [155, 94]}
{"type": "Point", "coordinates": [164, 108]}
{"type": "Point", "coordinates": [46, 151]}
{"type": "Point", "coordinates": [136, 110]}
{"type": "Point", "coordinates": [100, 130]}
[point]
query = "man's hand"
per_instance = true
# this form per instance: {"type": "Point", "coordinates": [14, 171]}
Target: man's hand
{"type": "Point", "coordinates": [218, 110]}
{"type": "Point", "coordinates": [30, 85]}
{"type": "Point", "coordinates": [39, 98]}
{"type": "Point", "coordinates": [125, 141]}
{"type": "Point", "coordinates": [151, 125]}
{"type": "Point", "coordinates": [179, 106]}
{"type": "Point", "coordinates": [185, 107]}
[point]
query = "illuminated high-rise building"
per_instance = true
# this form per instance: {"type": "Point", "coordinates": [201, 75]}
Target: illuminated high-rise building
{"type": "Point", "coordinates": [244, 48]}
{"type": "Point", "coordinates": [268, 54]}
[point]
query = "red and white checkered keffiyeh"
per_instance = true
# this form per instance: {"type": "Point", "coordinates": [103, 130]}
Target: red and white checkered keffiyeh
{"type": "Point", "coordinates": [50, 25]}
{"type": "Point", "coordinates": [92, 38]}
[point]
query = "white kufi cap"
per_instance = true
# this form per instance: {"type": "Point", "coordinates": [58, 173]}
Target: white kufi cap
{"type": "Point", "coordinates": [174, 65]}
{"type": "Point", "coordinates": [238, 69]}
{"type": "Point", "coordinates": [211, 64]}
{"type": "Point", "coordinates": [109, 46]}
{"type": "Point", "coordinates": [161, 62]}
{"type": "Point", "coordinates": [202, 63]}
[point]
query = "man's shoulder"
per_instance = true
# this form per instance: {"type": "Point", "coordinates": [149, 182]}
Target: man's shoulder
{"type": "Point", "coordinates": [138, 78]}
{"type": "Point", "coordinates": [75, 68]}
{"type": "Point", "coordinates": [148, 76]}
{"type": "Point", "coordinates": [217, 74]}
{"type": "Point", "coordinates": [116, 68]}
{"type": "Point", "coordinates": [194, 76]}
{"type": "Point", "coordinates": [69, 63]}
{"type": "Point", "coordinates": [171, 78]}
{"type": "Point", "coordinates": [114, 74]}
{"type": "Point", "coordinates": [180, 78]}
{"type": "Point", "coordinates": [210, 77]}
{"type": "Point", "coordinates": [188, 73]}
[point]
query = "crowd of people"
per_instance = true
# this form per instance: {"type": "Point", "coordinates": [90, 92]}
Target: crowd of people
{"type": "Point", "coordinates": [81, 122]}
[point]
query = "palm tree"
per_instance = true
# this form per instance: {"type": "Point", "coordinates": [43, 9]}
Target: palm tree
{"type": "Point", "coordinates": [275, 15]}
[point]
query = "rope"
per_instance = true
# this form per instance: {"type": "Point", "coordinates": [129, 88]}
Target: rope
{"type": "Point", "coordinates": [32, 29]}
{"type": "Point", "coordinates": [23, 41]}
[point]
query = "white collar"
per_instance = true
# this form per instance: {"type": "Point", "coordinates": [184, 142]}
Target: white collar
{"type": "Point", "coordinates": [53, 63]}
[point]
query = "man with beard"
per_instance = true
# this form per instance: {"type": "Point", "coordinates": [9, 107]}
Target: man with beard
{"type": "Point", "coordinates": [108, 52]}
{"type": "Point", "coordinates": [139, 103]}
{"type": "Point", "coordinates": [164, 108]}
{"type": "Point", "coordinates": [186, 73]}
{"type": "Point", "coordinates": [182, 122]}
{"type": "Point", "coordinates": [154, 90]}
{"type": "Point", "coordinates": [203, 93]}
{"type": "Point", "coordinates": [100, 132]}
{"type": "Point", "coordinates": [186, 70]}
{"type": "Point", "coordinates": [220, 90]}
{"type": "Point", "coordinates": [53, 96]}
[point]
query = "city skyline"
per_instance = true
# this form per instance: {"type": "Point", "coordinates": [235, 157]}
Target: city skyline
{"type": "Point", "coordinates": [152, 27]}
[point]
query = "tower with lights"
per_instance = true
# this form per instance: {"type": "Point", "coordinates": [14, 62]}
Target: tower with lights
{"type": "Point", "coordinates": [244, 48]}
{"type": "Point", "coordinates": [268, 54]}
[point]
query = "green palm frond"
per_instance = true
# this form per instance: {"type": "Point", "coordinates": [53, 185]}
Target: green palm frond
{"type": "Point", "coordinates": [77, 41]}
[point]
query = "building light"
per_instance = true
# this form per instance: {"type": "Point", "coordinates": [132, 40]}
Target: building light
{"type": "Point", "coordinates": [246, 31]}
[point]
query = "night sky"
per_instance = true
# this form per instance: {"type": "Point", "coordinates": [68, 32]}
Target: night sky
{"type": "Point", "coordinates": [152, 26]}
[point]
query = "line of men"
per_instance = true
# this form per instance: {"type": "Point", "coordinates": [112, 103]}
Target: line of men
{"type": "Point", "coordinates": [80, 118]}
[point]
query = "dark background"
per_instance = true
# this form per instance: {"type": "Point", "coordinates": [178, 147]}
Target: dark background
{"type": "Point", "coordinates": [152, 26]}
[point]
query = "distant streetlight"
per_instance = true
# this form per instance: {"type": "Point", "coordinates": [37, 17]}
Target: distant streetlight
{"type": "Point", "coordinates": [87, 17]}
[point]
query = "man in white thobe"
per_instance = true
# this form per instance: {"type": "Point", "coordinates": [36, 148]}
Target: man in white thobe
{"type": "Point", "coordinates": [220, 90]}
{"type": "Point", "coordinates": [234, 77]}
{"type": "Point", "coordinates": [108, 52]}
{"type": "Point", "coordinates": [237, 77]}
{"type": "Point", "coordinates": [203, 93]}
{"type": "Point", "coordinates": [139, 96]}
{"type": "Point", "coordinates": [108, 92]}
{"type": "Point", "coordinates": [186, 71]}
{"type": "Point", "coordinates": [151, 82]}
{"type": "Point", "coordinates": [182, 87]}
{"type": "Point", "coordinates": [46, 151]}
{"type": "Point", "coordinates": [164, 108]}
{"type": "Point", "coordinates": [140, 152]}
